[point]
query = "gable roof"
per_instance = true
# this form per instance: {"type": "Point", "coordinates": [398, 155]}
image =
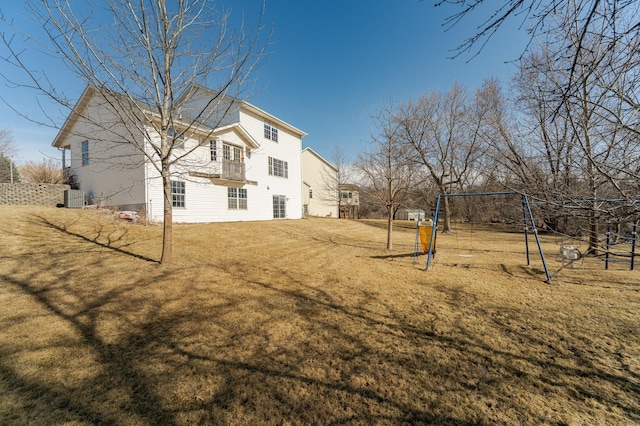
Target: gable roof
{"type": "Point", "coordinates": [73, 117]}
{"type": "Point", "coordinates": [247, 107]}
{"type": "Point", "coordinates": [89, 92]}
{"type": "Point", "coordinates": [320, 157]}
{"type": "Point", "coordinates": [242, 132]}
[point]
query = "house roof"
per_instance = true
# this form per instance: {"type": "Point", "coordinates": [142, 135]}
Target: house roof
{"type": "Point", "coordinates": [89, 92]}
{"type": "Point", "coordinates": [320, 157]}
{"type": "Point", "coordinates": [72, 118]}
{"type": "Point", "coordinates": [349, 186]}
{"type": "Point", "coordinates": [249, 107]}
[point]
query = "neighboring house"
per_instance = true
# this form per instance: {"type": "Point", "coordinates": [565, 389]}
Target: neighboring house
{"type": "Point", "coordinates": [349, 201]}
{"type": "Point", "coordinates": [247, 168]}
{"type": "Point", "coordinates": [410, 214]}
{"type": "Point", "coordinates": [319, 185]}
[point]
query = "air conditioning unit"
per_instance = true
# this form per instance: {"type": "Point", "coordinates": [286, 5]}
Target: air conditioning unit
{"type": "Point", "coordinates": [73, 199]}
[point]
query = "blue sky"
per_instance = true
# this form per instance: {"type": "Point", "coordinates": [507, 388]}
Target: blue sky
{"type": "Point", "coordinates": [332, 64]}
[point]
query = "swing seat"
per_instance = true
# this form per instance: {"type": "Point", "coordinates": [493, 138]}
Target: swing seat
{"type": "Point", "coordinates": [425, 238]}
{"type": "Point", "coordinates": [569, 252]}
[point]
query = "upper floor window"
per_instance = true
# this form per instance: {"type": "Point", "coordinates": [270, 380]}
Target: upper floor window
{"type": "Point", "coordinates": [85, 153]}
{"type": "Point", "coordinates": [270, 132]}
{"type": "Point", "coordinates": [310, 193]}
{"type": "Point", "coordinates": [278, 167]}
{"type": "Point", "coordinates": [213, 149]}
{"type": "Point", "coordinates": [177, 193]}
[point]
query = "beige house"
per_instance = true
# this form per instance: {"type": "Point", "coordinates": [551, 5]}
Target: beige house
{"type": "Point", "coordinates": [319, 185]}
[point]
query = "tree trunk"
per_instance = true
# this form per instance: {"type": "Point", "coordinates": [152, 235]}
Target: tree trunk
{"type": "Point", "coordinates": [167, 227]}
{"type": "Point", "coordinates": [593, 232]}
{"type": "Point", "coordinates": [447, 215]}
{"type": "Point", "coordinates": [390, 228]}
{"type": "Point", "coordinates": [447, 209]}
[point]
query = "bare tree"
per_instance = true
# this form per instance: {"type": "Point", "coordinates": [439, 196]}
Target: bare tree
{"type": "Point", "coordinates": [580, 81]}
{"type": "Point", "coordinates": [47, 171]}
{"type": "Point", "coordinates": [588, 138]}
{"type": "Point", "coordinates": [612, 22]}
{"type": "Point", "coordinates": [8, 146]}
{"type": "Point", "coordinates": [142, 58]}
{"type": "Point", "coordinates": [385, 167]}
{"type": "Point", "coordinates": [436, 126]}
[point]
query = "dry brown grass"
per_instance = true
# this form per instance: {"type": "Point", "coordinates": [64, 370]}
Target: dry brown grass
{"type": "Point", "coordinates": [304, 322]}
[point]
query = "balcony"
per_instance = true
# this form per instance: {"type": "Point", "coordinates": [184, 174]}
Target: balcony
{"type": "Point", "coordinates": [222, 172]}
{"type": "Point", "coordinates": [233, 170]}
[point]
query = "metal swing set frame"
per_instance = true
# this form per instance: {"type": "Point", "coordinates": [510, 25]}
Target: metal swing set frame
{"type": "Point", "coordinates": [527, 217]}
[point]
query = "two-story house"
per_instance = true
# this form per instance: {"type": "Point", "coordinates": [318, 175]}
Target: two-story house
{"type": "Point", "coordinates": [349, 201]}
{"type": "Point", "coordinates": [239, 163]}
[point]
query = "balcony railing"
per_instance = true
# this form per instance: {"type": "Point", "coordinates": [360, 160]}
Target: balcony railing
{"type": "Point", "coordinates": [233, 170]}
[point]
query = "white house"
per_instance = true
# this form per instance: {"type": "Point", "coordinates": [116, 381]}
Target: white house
{"type": "Point", "coordinates": [319, 185]}
{"type": "Point", "coordinates": [236, 163]}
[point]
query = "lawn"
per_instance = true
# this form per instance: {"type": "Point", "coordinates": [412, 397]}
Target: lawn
{"type": "Point", "coordinates": [305, 322]}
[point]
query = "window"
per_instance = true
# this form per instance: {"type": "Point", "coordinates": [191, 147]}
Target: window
{"type": "Point", "coordinates": [177, 193]}
{"type": "Point", "coordinates": [232, 153]}
{"type": "Point", "coordinates": [270, 132]}
{"type": "Point", "coordinates": [237, 198]}
{"type": "Point", "coordinates": [213, 148]}
{"type": "Point", "coordinates": [310, 193]}
{"type": "Point", "coordinates": [278, 167]}
{"type": "Point", "coordinates": [85, 153]}
{"type": "Point", "coordinates": [279, 207]}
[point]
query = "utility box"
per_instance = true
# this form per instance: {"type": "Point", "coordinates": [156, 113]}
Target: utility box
{"type": "Point", "coordinates": [73, 199]}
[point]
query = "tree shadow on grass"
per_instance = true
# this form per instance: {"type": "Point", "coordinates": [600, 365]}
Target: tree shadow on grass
{"type": "Point", "coordinates": [117, 363]}
{"type": "Point", "coordinates": [273, 347]}
{"type": "Point", "coordinates": [112, 237]}
{"type": "Point", "coordinates": [393, 256]}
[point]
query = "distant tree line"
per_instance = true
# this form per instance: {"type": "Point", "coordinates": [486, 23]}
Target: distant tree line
{"type": "Point", "coordinates": [564, 130]}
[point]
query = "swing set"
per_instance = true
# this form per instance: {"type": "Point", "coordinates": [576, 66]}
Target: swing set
{"type": "Point", "coordinates": [621, 242]}
{"type": "Point", "coordinates": [429, 241]}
